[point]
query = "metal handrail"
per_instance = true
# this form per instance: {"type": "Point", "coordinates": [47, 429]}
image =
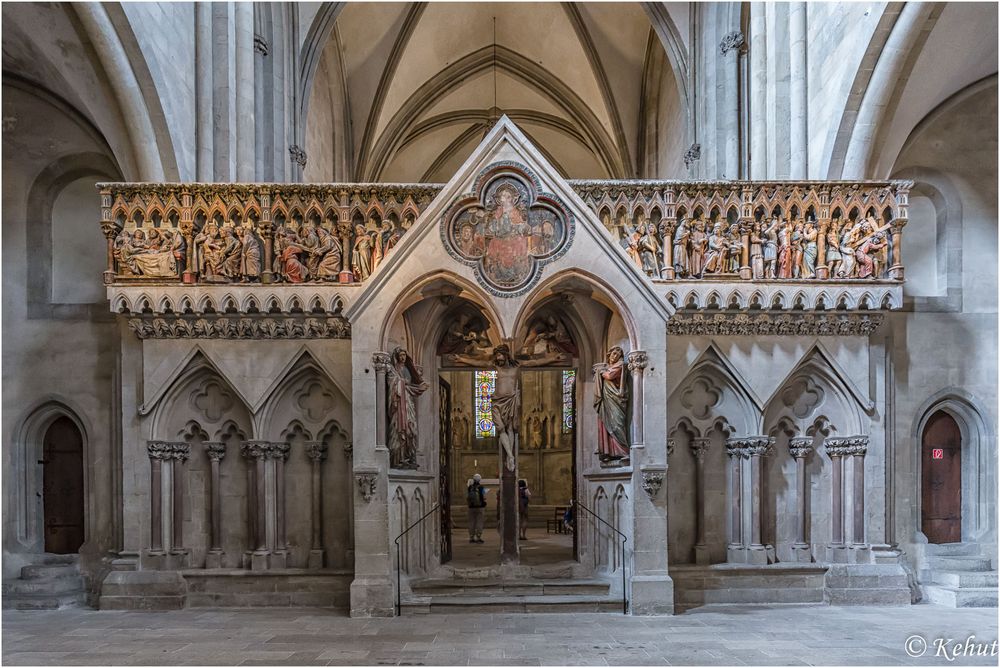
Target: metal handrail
{"type": "Point", "coordinates": [624, 540]}
{"type": "Point", "coordinates": [399, 563]}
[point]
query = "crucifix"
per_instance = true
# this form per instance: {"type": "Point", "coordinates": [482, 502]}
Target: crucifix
{"type": "Point", "coordinates": [506, 415]}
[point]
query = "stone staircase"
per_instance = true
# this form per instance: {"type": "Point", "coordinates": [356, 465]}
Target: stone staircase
{"type": "Point", "coordinates": [52, 582]}
{"type": "Point", "coordinates": [492, 595]}
{"type": "Point", "coordinates": [735, 584]}
{"type": "Point", "coordinates": [956, 575]}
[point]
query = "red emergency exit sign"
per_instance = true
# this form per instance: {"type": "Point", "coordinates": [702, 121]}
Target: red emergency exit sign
{"type": "Point", "coordinates": [937, 453]}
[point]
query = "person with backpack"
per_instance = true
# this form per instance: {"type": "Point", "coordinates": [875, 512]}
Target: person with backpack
{"type": "Point", "coordinates": [476, 498]}
{"type": "Point", "coordinates": [523, 498]}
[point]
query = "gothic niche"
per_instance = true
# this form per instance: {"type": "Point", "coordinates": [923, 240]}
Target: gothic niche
{"type": "Point", "coordinates": [507, 229]}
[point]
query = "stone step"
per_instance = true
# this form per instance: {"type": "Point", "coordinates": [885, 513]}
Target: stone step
{"type": "Point", "coordinates": [44, 601]}
{"type": "Point", "coordinates": [498, 604]}
{"type": "Point", "coordinates": [961, 597]}
{"type": "Point", "coordinates": [491, 587]}
{"type": "Point", "coordinates": [53, 587]}
{"type": "Point", "coordinates": [959, 563]}
{"type": "Point", "coordinates": [53, 559]}
{"type": "Point", "coordinates": [738, 595]}
{"type": "Point", "coordinates": [951, 549]}
{"type": "Point", "coordinates": [49, 571]}
{"type": "Point", "coordinates": [960, 578]}
{"type": "Point", "coordinates": [869, 596]}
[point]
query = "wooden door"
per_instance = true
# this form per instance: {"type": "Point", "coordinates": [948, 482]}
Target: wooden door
{"type": "Point", "coordinates": [62, 487]}
{"type": "Point", "coordinates": [941, 480]}
{"type": "Point", "coordinates": [444, 467]}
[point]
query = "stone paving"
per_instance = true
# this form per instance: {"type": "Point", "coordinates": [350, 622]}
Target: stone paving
{"type": "Point", "coordinates": [783, 636]}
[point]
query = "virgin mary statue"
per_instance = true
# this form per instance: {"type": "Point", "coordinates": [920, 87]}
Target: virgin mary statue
{"type": "Point", "coordinates": [405, 384]}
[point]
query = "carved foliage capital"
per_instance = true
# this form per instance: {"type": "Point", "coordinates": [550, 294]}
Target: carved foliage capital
{"type": "Point", "coordinates": [800, 446]}
{"type": "Point", "coordinates": [733, 40]}
{"type": "Point", "coordinates": [846, 446]}
{"type": "Point", "coordinates": [316, 450]}
{"type": "Point", "coordinates": [749, 446]}
{"type": "Point", "coordinates": [164, 450]}
{"type": "Point", "coordinates": [381, 361]}
{"type": "Point", "coordinates": [637, 360]}
{"type": "Point", "coordinates": [699, 446]}
{"type": "Point", "coordinates": [651, 483]}
{"type": "Point", "coordinates": [366, 485]}
{"type": "Point", "coordinates": [671, 446]}
{"type": "Point", "coordinates": [215, 450]}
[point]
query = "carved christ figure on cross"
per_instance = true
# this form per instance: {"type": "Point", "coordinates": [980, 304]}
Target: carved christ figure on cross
{"type": "Point", "coordinates": [506, 402]}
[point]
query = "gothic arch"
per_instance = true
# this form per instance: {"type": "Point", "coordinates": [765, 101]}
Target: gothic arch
{"type": "Point", "coordinates": [712, 389]}
{"type": "Point", "coordinates": [978, 442]}
{"type": "Point", "coordinates": [303, 393]}
{"type": "Point", "coordinates": [28, 451]}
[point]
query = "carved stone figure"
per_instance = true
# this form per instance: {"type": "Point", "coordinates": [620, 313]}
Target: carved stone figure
{"type": "Point", "coordinates": [148, 257]}
{"type": "Point", "coordinates": [757, 251]}
{"type": "Point", "coordinates": [250, 257]}
{"type": "Point", "coordinates": [771, 248]}
{"type": "Point", "coordinates": [546, 335]}
{"type": "Point", "coordinates": [405, 384]}
{"type": "Point", "coordinates": [696, 254]}
{"type": "Point", "coordinates": [715, 256]}
{"type": "Point", "coordinates": [361, 257]}
{"type": "Point", "coordinates": [293, 269]}
{"type": "Point", "coordinates": [681, 237]}
{"type": "Point", "coordinates": [809, 236]}
{"type": "Point", "coordinates": [735, 249]}
{"type": "Point", "coordinates": [210, 252]}
{"type": "Point", "coordinates": [867, 255]}
{"type": "Point", "coordinates": [833, 256]}
{"type": "Point", "coordinates": [797, 250]}
{"type": "Point", "coordinates": [632, 246]}
{"type": "Point", "coordinates": [649, 251]}
{"type": "Point", "coordinates": [232, 254]}
{"type": "Point", "coordinates": [785, 251]}
{"type": "Point", "coordinates": [612, 405]}
{"type": "Point", "coordinates": [328, 256]}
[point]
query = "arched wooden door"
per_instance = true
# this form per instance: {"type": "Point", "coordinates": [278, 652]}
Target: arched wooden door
{"type": "Point", "coordinates": [941, 480]}
{"type": "Point", "coordinates": [62, 487]}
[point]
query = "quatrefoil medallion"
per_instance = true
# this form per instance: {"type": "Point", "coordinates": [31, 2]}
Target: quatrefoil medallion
{"type": "Point", "coordinates": [507, 229]}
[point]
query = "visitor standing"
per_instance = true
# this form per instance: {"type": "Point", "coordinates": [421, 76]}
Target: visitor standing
{"type": "Point", "coordinates": [476, 498]}
{"type": "Point", "coordinates": [523, 498]}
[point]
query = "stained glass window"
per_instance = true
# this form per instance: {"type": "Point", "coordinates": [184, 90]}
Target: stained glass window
{"type": "Point", "coordinates": [568, 381]}
{"type": "Point", "coordinates": [485, 384]}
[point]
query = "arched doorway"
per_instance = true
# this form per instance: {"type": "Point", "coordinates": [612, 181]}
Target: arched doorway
{"type": "Point", "coordinates": [941, 479]}
{"type": "Point", "coordinates": [62, 487]}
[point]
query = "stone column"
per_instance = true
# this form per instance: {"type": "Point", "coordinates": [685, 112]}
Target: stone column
{"type": "Point", "coordinates": [245, 94]}
{"type": "Point", "coordinates": [190, 272]}
{"type": "Point", "coordinates": [758, 91]}
{"type": "Point", "coordinates": [822, 271]}
{"type": "Point", "coordinates": [800, 447]}
{"type": "Point", "coordinates": [110, 229]}
{"type": "Point", "coordinates": [216, 451]}
{"type": "Point", "coordinates": [157, 451]}
{"type": "Point", "coordinates": [699, 446]}
{"type": "Point", "coordinates": [667, 233]}
{"type": "Point", "coordinates": [730, 48]}
{"type": "Point", "coordinates": [181, 452]}
{"type": "Point", "coordinates": [203, 101]}
{"type": "Point", "coordinates": [256, 454]}
{"type": "Point", "coordinates": [316, 451]}
{"type": "Point", "coordinates": [746, 273]}
{"type": "Point", "coordinates": [836, 448]}
{"type": "Point", "coordinates": [798, 99]}
{"type": "Point", "coordinates": [266, 230]}
{"type": "Point", "coordinates": [249, 455]}
{"type": "Point", "coordinates": [380, 362]}
{"type": "Point", "coordinates": [736, 549]}
{"type": "Point", "coordinates": [637, 360]}
{"type": "Point", "coordinates": [756, 448]}
{"type": "Point", "coordinates": [896, 268]}
{"type": "Point", "coordinates": [278, 455]}
{"type": "Point", "coordinates": [856, 450]}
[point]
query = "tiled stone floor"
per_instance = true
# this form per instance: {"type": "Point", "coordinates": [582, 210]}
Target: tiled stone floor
{"type": "Point", "coordinates": [819, 635]}
{"type": "Point", "coordinates": [540, 548]}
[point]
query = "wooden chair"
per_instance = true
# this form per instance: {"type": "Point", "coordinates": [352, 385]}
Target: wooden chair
{"type": "Point", "coordinates": [555, 525]}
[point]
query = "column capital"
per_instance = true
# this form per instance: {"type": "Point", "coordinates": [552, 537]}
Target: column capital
{"type": "Point", "coordinates": [215, 450]}
{"type": "Point", "coordinates": [164, 450]}
{"type": "Point", "coordinates": [651, 482]}
{"type": "Point", "coordinates": [381, 361]}
{"type": "Point", "coordinates": [366, 485]}
{"type": "Point", "coordinates": [278, 450]}
{"type": "Point", "coordinates": [316, 450]}
{"type": "Point", "coordinates": [637, 360]}
{"type": "Point", "coordinates": [845, 446]}
{"type": "Point", "coordinates": [254, 449]}
{"type": "Point", "coordinates": [731, 42]}
{"type": "Point", "coordinates": [749, 446]}
{"type": "Point", "coordinates": [699, 446]}
{"type": "Point", "coordinates": [800, 446]}
{"type": "Point", "coordinates": [671, 445]}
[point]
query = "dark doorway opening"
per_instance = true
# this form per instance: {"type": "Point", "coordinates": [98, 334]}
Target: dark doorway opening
{"type": "Point", "coordinates": [62, 487]}
{"type": "Point", "coordinates": [941, 479]}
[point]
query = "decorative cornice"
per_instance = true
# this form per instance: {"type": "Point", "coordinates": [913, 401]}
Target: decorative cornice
{"type": "Point", "coordinates": [800, 446]}
{"type": "Point", "coordinates": [789, 324]}
{"type": "Point", "coordinates": [749, 446]}
{"type": "Point", "coordinates": [637, 360]}
{"type": "Point", "coordinates": [846, 446]}
{"type": "Point", "coordinates": [216, 450]}
{"type": "Point", "coordinates": [241, 327]}
{"type": "Point", "coordinates": [366, 485]}
{"type": "Point", "coordinates": [730, 42]}
{"type": "Point", "coordinates": [651, 483]}
{"type": "Point", "coordinates": [316, 450]}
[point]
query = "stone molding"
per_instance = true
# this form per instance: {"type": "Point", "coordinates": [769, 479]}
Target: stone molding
{"type": "Point", "coordinates": [800, 446]}
{"type": "Point", "coordinates": [366, 485]}
{"type": "Point", "coordinates": [316, 450]}
{"type": "Point", "coordinates": [651, 482]}
{"type": "Point", "coordinates": [799, 324]}
{"type": "Point", "coordinates": [749, 446]}
{"type": "Point", "coordinates": [637, 360]}
{"type": "Point", "coordinates": [241, 327]}
{"type": "Point", "coordinates": [166, 450]}
{"type": "Point", "coordinates": [216, 450]}
{"type": "Point", "coordinates": [846, 446]}
{"type": "Point", "coordinates": [787, 295]}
